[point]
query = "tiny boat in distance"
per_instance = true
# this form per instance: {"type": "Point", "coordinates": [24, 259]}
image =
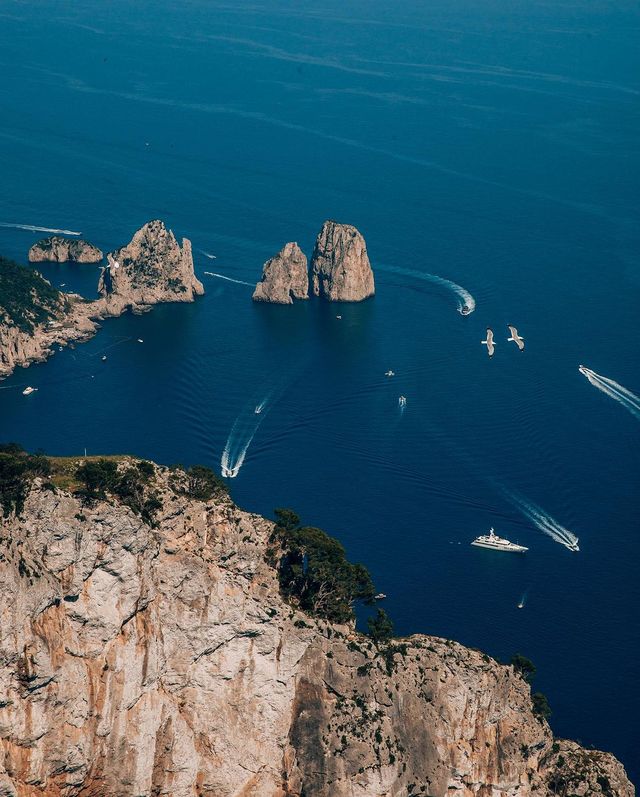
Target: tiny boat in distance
{"type": "Point", "coordinates": [28, 390]}
{"type": "Point", "coordinates": [465, 310]}
{"type": "Point", "coordinates": [495, 543]}
{"type": "Point", "coordinates": [389, 373]}
{"type": "Point", "coordinates": [140, 340]}
{"type": "Point", "coordinates": [380, 596]}
{"type": "Point", "coordinates": [402, 401]}
{"type": "Point", "coordinates": [104, 357]}
{"type": "Point", "coordinates": [258, 410]}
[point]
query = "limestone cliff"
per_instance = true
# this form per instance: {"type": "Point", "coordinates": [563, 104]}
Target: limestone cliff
{"type": "Point", "coordinates": [284, 277]}
{"type": "Point", "coordinates": [340, 264]}
{"type": "Point", "coordinates": [151, 268]}
{"type": "Point", "coordinates": [61, 250]}
{"type": "Point", "coordinates": [163, 661]}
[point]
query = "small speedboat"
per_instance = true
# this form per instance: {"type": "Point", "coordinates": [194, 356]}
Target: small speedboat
{"type": "Point", "coordinates": [380, 596]}
{"type": "Point", "coordinates": [258, 410]}
{"type": "Point", "coordinates": [104, 357]}
{"type": "Point", "coordinates": [521, 605]}
{"type": "Point", "coordinates": [402, 401]}
{"type": "Point", "coordinates": [338, 317]}
{"type": "Point", "coordinates": [389, 373]}
{"type": "Point", "coordinates": [140, 340]}
{"type": "Point", "coordinates": [28, 390]}
{"type": "Point", "coordinates": [465, 309]}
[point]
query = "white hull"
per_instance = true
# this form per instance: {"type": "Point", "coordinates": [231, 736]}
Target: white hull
{"type": "Point", "coordinates": [509, 547]}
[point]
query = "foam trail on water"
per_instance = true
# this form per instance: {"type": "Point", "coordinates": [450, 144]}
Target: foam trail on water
{"type": "Point", "coordinates": [240, 438]}
{"type": "Point", "coordinates": [207, 254]}
{"type": "Point", "coordinates": [543, 521]}
{"type": "Point", "coordinates": [229, 279]}
{"type": "Point", "coordinates": [33, 228]}
{"type": "Point", "coordinates": [629, 400]}
{"type": "Point", "coordinates": [466, 299]}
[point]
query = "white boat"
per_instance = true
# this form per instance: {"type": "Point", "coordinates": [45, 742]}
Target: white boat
{"type": "Point", "coordinates": [258, 410]}
{"type": "Point", "coordinates": [140, 340]}
{"type": "Point", "coordinates": [402, 401]}
{"type": "Point", "coordinates": [28, 390]}
{"type": "Point", "coordinates": [338, 317]}
{"type": "Point", "coordinates": [495, 543]}
{"type": "Point", "coordinates": [389, 373]}
{"type": "Point", "coordinates": [464, 310]}
{"type": "Point", "coordinates": [104, 357]}
{"type": "Point", "coordinates": [380, 596]}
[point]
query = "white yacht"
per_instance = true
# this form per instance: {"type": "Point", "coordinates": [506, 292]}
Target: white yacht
{"type": "Point", "coordinates": [491, 540]}
{"type": "Point", "coordinates": [28, 390]}
{"type": "Point", "coordinates": [389, 373]}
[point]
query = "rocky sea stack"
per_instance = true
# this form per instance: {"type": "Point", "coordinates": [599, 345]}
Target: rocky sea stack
{"type": "Point", "coordinates": [152, 268]}
{"type": "Point", "coordinates": [61, 250]}
{"type": "Point", "coordinates": [284, 277]}
{"type": "Point", "coordinates": [149, 647]}
{"type": "Point", "coordinates": [340, 265]}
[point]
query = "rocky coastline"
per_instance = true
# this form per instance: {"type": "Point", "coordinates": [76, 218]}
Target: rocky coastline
{"type": "Point", "coordinates": [151, 269]}
{"type": "Point", "coordinates": [161, 658]}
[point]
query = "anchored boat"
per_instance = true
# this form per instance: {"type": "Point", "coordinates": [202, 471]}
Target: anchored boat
{"type": "Point", "coordinates": [495, 543]}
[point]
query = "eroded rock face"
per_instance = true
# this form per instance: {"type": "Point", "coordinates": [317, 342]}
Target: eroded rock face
{"type": "Point", "coordinates": [152, 268]}
{"type": "Point", "coordinates": [284, 277]}
{"type": "Point", "coordinates": [340, 264]}
{"type": "Point", "coordinates": [61, 250]}
{"type": "Point", "coordinates": [139, 661]}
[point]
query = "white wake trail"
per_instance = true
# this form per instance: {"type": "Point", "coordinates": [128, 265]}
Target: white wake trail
{"type": "Point", "coordinates": [241, 436]}
{"type": "Point", "coordinates": [611, 388]}
{"type": "Point", "coordinates": [466, 299]}
{"type": "Point", "coordinates": [33, 228]}
{"type": "Point", "coordinates": [207, 254]}
{"type": "Point", "coordinates": [543, 521]}
{"type": "Point", "coordinates": [229, 279]}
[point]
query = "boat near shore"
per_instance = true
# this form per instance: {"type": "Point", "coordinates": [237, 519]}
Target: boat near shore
{"type": "Point", "coordinates": [495, 543]}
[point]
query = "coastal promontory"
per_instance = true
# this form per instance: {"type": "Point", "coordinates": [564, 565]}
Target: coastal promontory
{"type": "Point", "coordinates": [158, 640]}
{"type": "Point", "coordinates": [285, 277]}
{"type": "Point", "coordinates": [340, 266]}
{"type": "Point", "coordinates": [60, 250]}
{"type": "Point", "coordinates": [151, 268]}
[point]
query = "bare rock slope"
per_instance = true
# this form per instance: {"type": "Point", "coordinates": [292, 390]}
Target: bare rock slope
{"type": "Point", "coordinates": [284, 277]}
{"type": "Point", "coordinates": [340, 265]}
{"type": "Point", "coordinates": [163, 661]}
{"type": "Point", "coordinates": [151, 268]}
{"type": "Point", "coordinates": [61, 250]}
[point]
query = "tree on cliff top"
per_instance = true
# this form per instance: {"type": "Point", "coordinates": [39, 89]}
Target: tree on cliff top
{"type": "Point", "coordinates": [314, 572]}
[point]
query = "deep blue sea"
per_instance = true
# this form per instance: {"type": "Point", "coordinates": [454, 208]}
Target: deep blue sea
{"type": "Point", "coordinates": [490, 143]}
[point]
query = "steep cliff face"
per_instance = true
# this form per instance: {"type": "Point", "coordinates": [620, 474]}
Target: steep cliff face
{"type": "Point", "coordinates": [284, 277]}
{"type": "Point", "coordinates": [152, 268]}
{"type": "Point", "coordinates": [61, 250]}
{"type": "Point", "coordinates": [340, 264]}
{"type": "Point", "coordinates": [140, 661]}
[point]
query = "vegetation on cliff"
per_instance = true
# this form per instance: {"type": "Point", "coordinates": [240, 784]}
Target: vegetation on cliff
{"type": "Point", "coordinates": [17, 468]}
{"type": "Point", "coordinates": [314, 572]}
{"type": "Point", "coordinates": [26, 298]}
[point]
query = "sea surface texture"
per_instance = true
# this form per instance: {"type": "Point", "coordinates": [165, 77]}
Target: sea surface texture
{"type": "Point", "coordinates": [488, 152]}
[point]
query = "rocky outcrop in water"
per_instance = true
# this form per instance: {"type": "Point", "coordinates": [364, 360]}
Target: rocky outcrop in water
{"type": "Point", "coordinates": [284, 277]}
{"type": "Point", "coordinates": [152, 268]}
{"type": "Point", "coordinates": [340, 265]}
{"type": "Point", "coordinates": [61, 250]}
{"type": "Point", "coordinates": [139, 660]}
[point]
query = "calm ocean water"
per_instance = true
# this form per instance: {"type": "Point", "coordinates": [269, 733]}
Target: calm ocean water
{"type": "Point", "coordinates": [494, 144]}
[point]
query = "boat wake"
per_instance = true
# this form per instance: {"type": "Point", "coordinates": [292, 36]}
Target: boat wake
{"type": "Point", "coordinates": [543, 521]}
{"type": "Point", "coordinates": [229, 279]}
{"type": "Point", "coordinates": [33, 228]}
{"type": "Point", "coordinates": [241, 436]}
{"type": "Point", "coordinates": [629, 400]}
{"type": "Point", "coordinates": [207, 254]}
{"type": "Point", "coordinates": [466, 300]}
